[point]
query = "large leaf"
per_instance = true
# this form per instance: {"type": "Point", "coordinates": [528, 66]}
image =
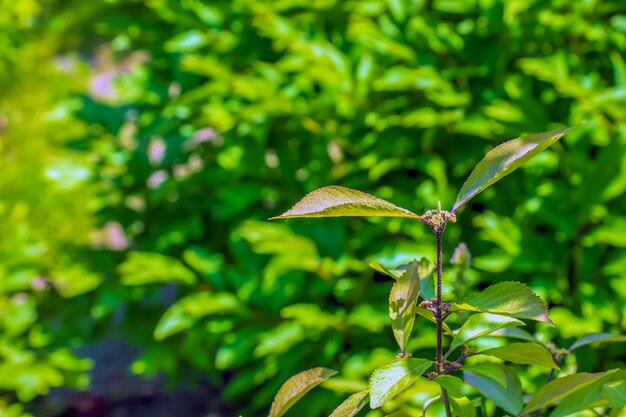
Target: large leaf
{"type": "Point", "coordinates": [504, 159]}
{"type": "Point", "coordinates": [522, 354]}
{"type": "Point", "coordinates": [559, 388]}
{"type": "Point", "coordinates": [390, 379]}
{"type": "Point", "coordinates": [481, 324]}
{"type": "Point", "coordinates": [590, 397]}
{"type": "Point", "coordinates": [402, 300]}
{"type": "Point", "coordinates": [488, 369]}
{"type": "Point", "coordinates": [295, 387]}
{"type": "Point", "coordinates": [507, 397]}
{"type": "Point", "coordinates": [615, 393]}
{"type": "Point", "coordinates": [596, 338]}
{"type": "Point", "coordinates": [512, 299]}
{"type": "Point", "coordinates": [335, 201]}
{"type": "Point", "coordinates": [352, 405]}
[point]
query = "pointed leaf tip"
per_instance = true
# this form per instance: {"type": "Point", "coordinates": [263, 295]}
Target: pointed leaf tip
{"type": "Point", "coordinates": [295, 387]}
{"type": "Point", "coordinates": [337, 201]}
{"type": "Point", "coordinates": [504, 159]}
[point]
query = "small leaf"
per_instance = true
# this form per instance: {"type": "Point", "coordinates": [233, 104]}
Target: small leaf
{"type": "Point", "coordinates": [512, 299]}
{"type": "Point", "coordinates": [335, 201]}
{"type": "Point", "coordinates": [596, 338]}
{"type": "Point", "coordinates": [402, 300]}
{"type": "Point", "coordinates": [522, 354]}
{"type": "Point", "coordinates": [463, 407]}
{"type": "Point", "coordinates": [509, 398]}
{"type": "Point", "coordinates": [615, 393]}
{"type": "Point", "coordinates": [504, 159]}
{"type": "Point", "coordinates": [481, 324]}
{"type": "Point", "coordinates": [588, 398]}
{"type": "Point", "coordinates": [352, 405]}
{"type": "Point", "coordinates": [141, 268]}
{"type": "Point", "coordinates": [188, 310]}
{"type": "Point", "coordinates": [490, 370]}
{"type": "Point", "coordinates": [450, 383]}
{"type": "Point", "coordinates": [559, 388]}
{"type": "Point", "coordinates": [390, 379]}
{"type": "Point", "coordinates": [295, 387]}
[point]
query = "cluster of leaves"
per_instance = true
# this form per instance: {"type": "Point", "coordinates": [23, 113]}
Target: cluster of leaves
{"type": "Point", "coordinates": [499, 307]}
{"type": "Point", "coordinates": [203, 117]}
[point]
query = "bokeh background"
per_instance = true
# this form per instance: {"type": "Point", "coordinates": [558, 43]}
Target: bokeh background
{"type": "Point", "coordinates": [143, 145]}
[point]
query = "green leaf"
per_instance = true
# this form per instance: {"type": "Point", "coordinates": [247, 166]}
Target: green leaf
{"type": "Point", "coordinates": [523, 354]}
{"type": "Point", "coordinates": [504, 159]}
{"type": "Point", "coordinates": [615, 393]}
{"type": "Point", "coordinates": [390, 379]}
{"type": "Point", "coordinates": [507, 397]}
{"type": "Point", "coordinates": [463, 407]}
{"type": "Point", "coordinates": [481, 324]}
{"type": "Point", "coordinates": [450, 383]}
{"type": "Point", "coordinates": [188, 310]}
{"type": "Point", "coordinates": [559, 388]}
{"type": "Point", "coordinates": [352, 405]}
{"type": "Point", "coordinates": [402, 300]}
{"type": "Point", "coordinates": [142, 268]}
{"type": "Point", "coordinates": [490, 370]}
{"type": "Point", "coordinates": [596, 338]}
{"type": "Point", "coordinates": [295, 388]}
{"type": "Point", "coordinates": [512, 299]}
{"type": "Point", "coordinates": [335, 201]}
{"type": "Point", "coordinates": [590, 397]}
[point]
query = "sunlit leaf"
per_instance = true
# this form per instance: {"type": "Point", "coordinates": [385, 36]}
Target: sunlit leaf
{"type": "Point", "coordinates": [559, 388]}
{"type": "Point", "coordinates": [590, 397]}
{"type": "Point", "coordinates": [352, 405]}
{"type": "Point", "coordinates": [402, 300]}
{"type": "Point", "coordinates": [390, 379]}
{"type": "Point", "coordinates": [490, 370]}
{"type": "Point", "coordinates": [295, 387]}
{"type": "Point", "coordinates": [523, 354]}
{"type": "Point", "coordinates": [512, 299]}
{"type": "Point", "coordinates": [504, 159]}
{"type": "Point", "coordinates": [481, 324]}
{"type": "Point", "coordinates": [596, 338]}
{"type": "Point", "coordinates": [507, 397]}
{"type": "Point", "coordinates": [336, 201]}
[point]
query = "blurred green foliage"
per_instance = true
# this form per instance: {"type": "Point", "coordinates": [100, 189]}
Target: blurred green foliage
{"type": "Point", "coordinates": [144, 143]}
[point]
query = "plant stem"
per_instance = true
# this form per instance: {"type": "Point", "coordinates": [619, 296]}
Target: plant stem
{"type": "Point", "coordinates": [439, 317]}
